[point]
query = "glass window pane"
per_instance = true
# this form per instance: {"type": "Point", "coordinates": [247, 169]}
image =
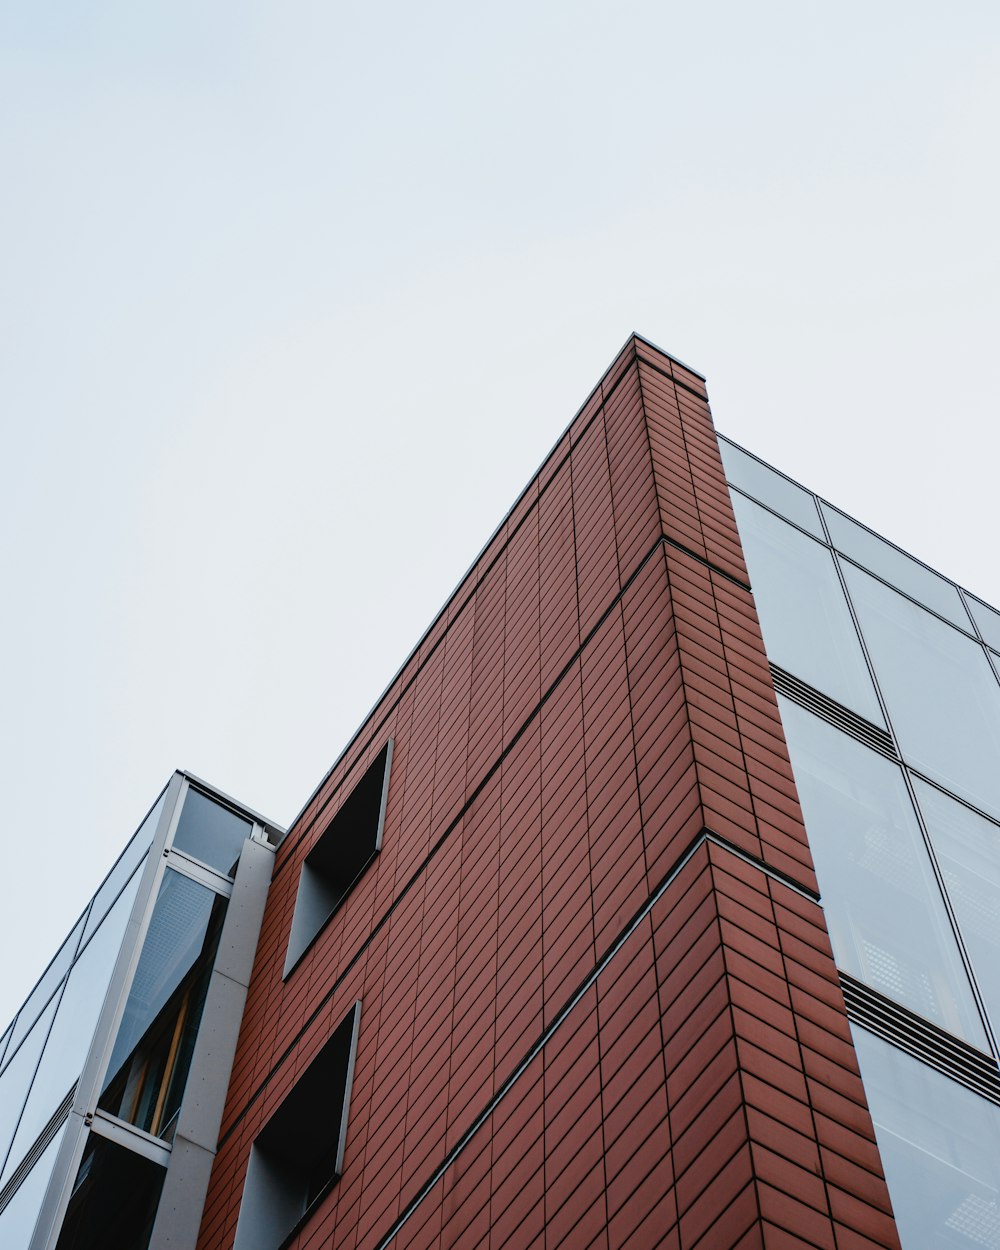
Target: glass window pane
{"type": "Point", "coordinates": [47, 985]}
{"type": "Point", "coordinates": [111, 930]}
{"type": "Point", "coordinates": [804, 616]}
{"type": "Point", "coordinates": [967, 846]}
{"type": "Point", "coordinates": [940, 691]}
{"type": "Point", "coordinates": [73, 1029]}
{"type": "Point", "coordinates": [211, 833]}
{"type": "Point", "coordinates": [4, 1040]}
{"type": "Point", "coordinates": [133, 855]}
{"type": "Point", "coordinates": [895, 566]}
{"type": "Point", "coordinates": [761, 481]}
{"type": "Point", "coordinates": [17, 1220]}
{"type": "Point", "coordinates": [18, 1075]}
{"type": "Point", "coordinates": [987, 618]}
{"type": "Point", "coordinates": [152, 1051]}
{"type": "Point", "coordinates": [940, 1147]}
{"type": "Point", "coordinates": [887, 921]}
{"type": "Point", "coordinates": [115, 1196]}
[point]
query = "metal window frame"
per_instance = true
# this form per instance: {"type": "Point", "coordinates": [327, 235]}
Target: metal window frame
{"type": "Point", "coordinates": [227, 990]}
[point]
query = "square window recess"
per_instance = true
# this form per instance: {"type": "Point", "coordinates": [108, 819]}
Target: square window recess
{"type": "Point", "coordinates": [299, 1153]}
{"type": "Point", "coordinates": [346, 847]}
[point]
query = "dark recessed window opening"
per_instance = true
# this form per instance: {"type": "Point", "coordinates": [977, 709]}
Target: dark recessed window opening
{"type": "Point", "coordinates": [347, 846]}
{"type": "Point", "coordinates": [300, 1151]}
{"type": "Point", "coordinates": [114, 1199]}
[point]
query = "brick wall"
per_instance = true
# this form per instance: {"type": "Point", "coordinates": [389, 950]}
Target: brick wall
{"type": "Point", "coordinates": [599, 1006]}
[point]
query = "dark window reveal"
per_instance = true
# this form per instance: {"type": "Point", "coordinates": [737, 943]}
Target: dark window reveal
{"type": "Point", "coordinates": [300, 1151]}
{"type": "Point", "coordinates": [346, 848]}
{"type": "Point", "coordinates": [114, 1199]}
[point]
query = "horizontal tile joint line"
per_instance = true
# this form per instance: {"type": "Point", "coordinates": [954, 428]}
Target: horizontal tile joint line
{"type": "Point", "coordinates": [679, 382]}
{"type": "Point", "coordinates": [546, 1036]}
{"type": "Point", "coordinates": [776, 874]}
{"type": "Point", "coordinates": [484, 573]}
{"type": "Point", "coordinates": [730, 577]}
{"type": "Point", "coordinates": [449, 829]}
{"type": "Point", "coordinates": [706, 836]}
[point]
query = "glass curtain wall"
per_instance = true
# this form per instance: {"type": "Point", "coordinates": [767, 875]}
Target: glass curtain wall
{"type": "Point", "coordinates": [906, 837]}
{"type": "Point", "coordinates": [50, 1036]}
{"type": "Point", "coordinates": [45, 1048]}
{"type": "Point", "coordinates": [149, 1065]}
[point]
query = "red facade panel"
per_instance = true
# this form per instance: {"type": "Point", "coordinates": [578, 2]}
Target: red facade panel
{"type": "Point", "coordinates": [599, 1006]}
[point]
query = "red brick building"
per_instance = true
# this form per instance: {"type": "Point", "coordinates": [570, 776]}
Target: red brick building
{"type": "Point", "coordinates": [598, 1004]}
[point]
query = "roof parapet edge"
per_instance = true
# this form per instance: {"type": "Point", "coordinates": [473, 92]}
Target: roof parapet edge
{"type": "Point", "coordinates": [628, 345]}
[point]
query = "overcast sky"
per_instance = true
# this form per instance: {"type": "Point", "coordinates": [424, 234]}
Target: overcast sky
{"type": "Point", "coordinates": [294, 298]}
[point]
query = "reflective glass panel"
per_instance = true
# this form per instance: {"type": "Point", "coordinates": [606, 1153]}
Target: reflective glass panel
{"type": "Point", "coordinates": [48, 983]}
{"type": "Point", "coordinates": [211, 833]}
{"type": "Point", "coordinates": [17, 1220]}
{"type": "Point", "coordinates": [115, 1196]}
{"type": "Point", "coordinates": [133, 855]}
{"type": "Point", "coordinates": [73, 1029]}
{"type": "Point", "coordinates": [988, 620]}
{"type": "Point", "coordinates": [18, 1075]}
{"type": "Point", "coordinates": [152, 1052]}
{"type": "Point", "coordinates": [769, 487]}
{"type": "Point", "coordinates": [804, 617]}
{"type": "Point", "coordinates": [887, 921]}
{"type": "Point", "coordinates": [940, 1147]}
{"type": "Point", "coordinates": [895, 566]}
{"type": "Point", "coordinates": [4, 1040]}
{"type": "Point", "coordinates": [941, 693]}
{"type": "Point", "coordinates": [968, 850]}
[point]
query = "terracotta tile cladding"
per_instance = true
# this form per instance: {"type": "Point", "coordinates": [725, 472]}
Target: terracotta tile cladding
{"type": "Point", "coordinates": [599, 1006]}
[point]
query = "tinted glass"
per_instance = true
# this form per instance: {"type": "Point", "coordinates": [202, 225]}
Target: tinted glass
{"type": "Point", "coordinates": [988, 620]}
{"type": "Point", "coordinates": [940, 1147]}
{"type": "Point", "coordinates": [111, 931]}
{"type": "Point", "coordinates": [47, 985]}
{"type": "Point", "coordinates": [17, 1220]}
{"type": "Point", "coordinates": [152, 1051]}
{"type": "Point", "coordinates": [941, 693]}
{"type": "Point", "coordinates": [887, 921]}
{"type": "Point", "coordinates": [211, 833]}
{"type": "Point", "coordinates": [16, 1080]}
{"type": "Point", "coordinates": [132, 856]}
{"type": "Point", "coordinates": [73, 1029]}
{"type": "Point", "coordinates": [804, 617]}
{"type": "Point", "coordinates": [968, 849]}
{"type": "Point", "coordinates": [769, 487]}
{"type": "Point", "coordinates": [895, 566]}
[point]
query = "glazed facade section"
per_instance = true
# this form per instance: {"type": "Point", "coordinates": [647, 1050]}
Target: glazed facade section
{"type": "Point", "coordinates": [97, 1061]}
{"type": "Point", "coordinates": [891, 709]}
{"type": "Point", "coordinates": [46, 1045]}
{"type": "Point", "coordinates": [594, 996]}
{"type": "Point", "coordinates": [544, 960]}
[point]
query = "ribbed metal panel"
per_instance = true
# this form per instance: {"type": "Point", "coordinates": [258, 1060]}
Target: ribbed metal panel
{"type": "Point", "coordinates": [921, 1039]}
{"type": "Point", "coordinates": [42, 1141]}
{"type": "Point", "coordinates": [833, 712]}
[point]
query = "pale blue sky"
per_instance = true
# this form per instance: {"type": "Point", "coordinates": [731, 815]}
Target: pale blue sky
{"type": "Point", "coordinates": [293, 298]}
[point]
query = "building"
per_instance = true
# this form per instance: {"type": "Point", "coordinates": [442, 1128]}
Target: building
{"type": "Point", "coordinates": [113, 1073]}
{"type": "Point", "coordinates": [544, 961]}
{"type": "Point", "coordinates": [887, 684]}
